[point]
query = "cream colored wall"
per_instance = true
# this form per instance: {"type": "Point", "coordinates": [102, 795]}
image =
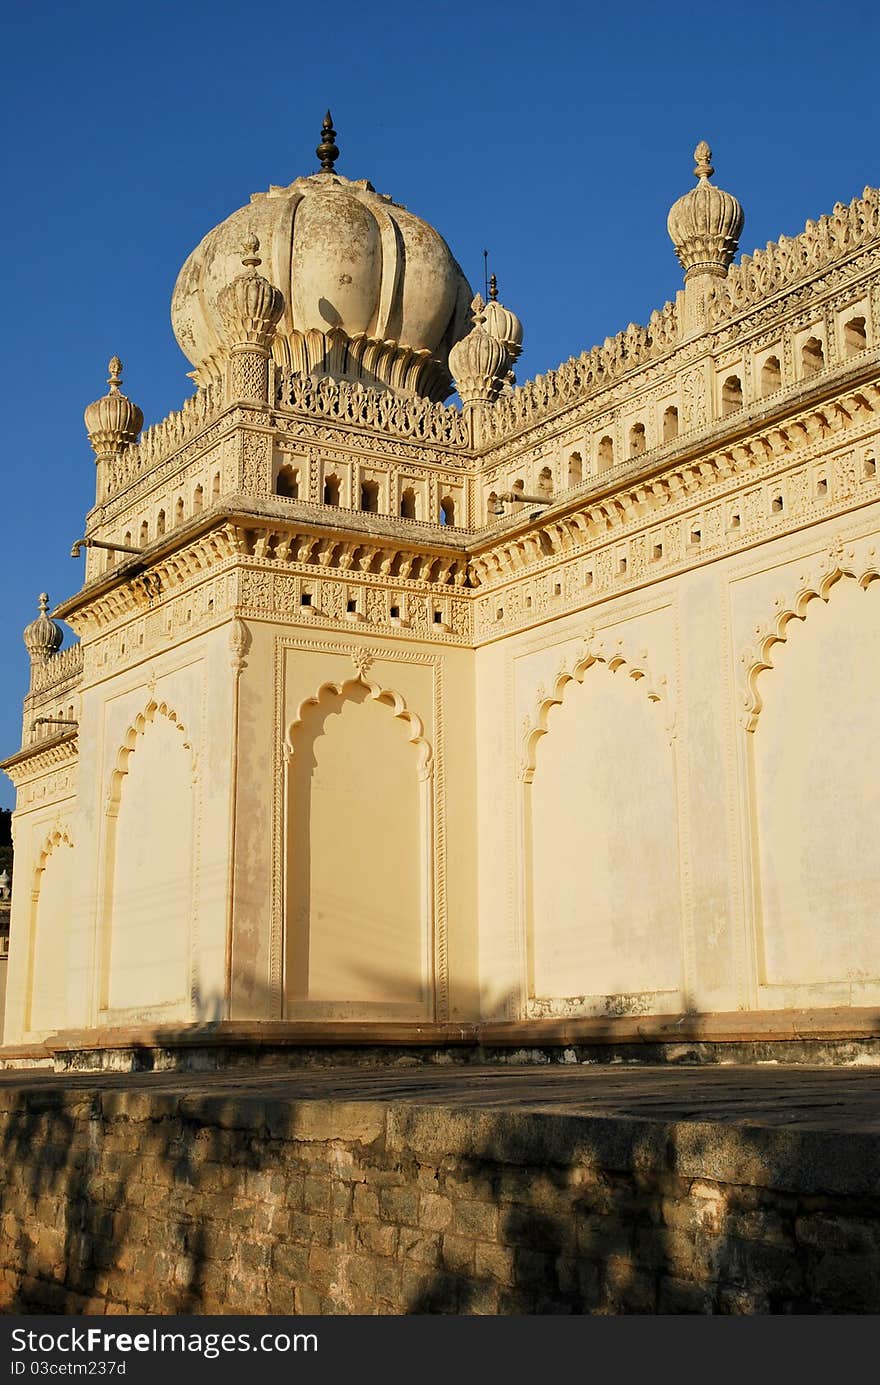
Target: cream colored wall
{"type": "Point", "coordinates": [370, 911]}
{"type": "Point", "coordinates": [143, 909]}
{"type": "Point", "coordinates": [678, 808]}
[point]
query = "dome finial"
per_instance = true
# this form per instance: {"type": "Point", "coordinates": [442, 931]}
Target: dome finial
{"type": "Point", "coordinates": [249, 257]}
{"type": "Point", "coordinates": [703, 156]}
{"type": "Point", "coordinates": [493, 288]}
{"type": "Point", "coordinates": [114, 379]}
{"type": "Point", "coordinates": [327, 151]}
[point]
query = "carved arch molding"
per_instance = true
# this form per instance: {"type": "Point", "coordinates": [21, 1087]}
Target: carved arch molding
{"type": "Point", "coordinates": [592, 650]}
{"type": "Point", "coordinates": [840, 562]}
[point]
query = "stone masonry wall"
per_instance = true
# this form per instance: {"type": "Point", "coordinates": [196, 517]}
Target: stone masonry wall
{"type": "Point", "coordinates": [162, 1202]}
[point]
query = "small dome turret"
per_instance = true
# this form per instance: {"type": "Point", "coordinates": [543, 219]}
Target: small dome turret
{"type": "Point", "coordinates": [503, 324]}
{"type": "Point", "coordinates": [43, 637]}
{"type": "Point", "coordinates": [250, 306]}
{"type": "Point", "coordinates": [705, 225]}
{"type": "Point", "coordinates": [479, 361]}
{"type": "Point", "coordinates": [113, 421]}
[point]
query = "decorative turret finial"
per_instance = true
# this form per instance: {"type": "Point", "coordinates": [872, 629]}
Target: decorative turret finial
{"type": "Point", "coordinates": [703, 155]}
{"type": "Point", "coordinates": [493, 288]}
{"type": "Point", "coordinates": [44, 636]}
{"type": "Point", "coordinates": [113, 422]}
{"type": "Point", "coordinates": [249, 257]}
{"type": "Point", "coordinates": [705, 225]}
{"type": "Point", "coordinates": [327, 151]}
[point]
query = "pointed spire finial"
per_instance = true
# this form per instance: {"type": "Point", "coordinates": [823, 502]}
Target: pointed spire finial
{"type": "Point", "coordinates": [703, 156]}
{"type": "Point", "coordinates": [327, 151]}
{"type": "Point", "coordinates": [249, 256]}
{"type": "Point", "coordinates": [493, 288]}
{"type": "Point", "coordinates": [44, 603]}
{"type": "Point", "coordinates": [115, 377]}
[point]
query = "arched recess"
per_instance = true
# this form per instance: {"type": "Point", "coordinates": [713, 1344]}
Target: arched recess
{"type": "Point", "coordinates": [600, 828]}
{"type": "Point", "coordinates": [149, 904]}
{"type": "Point", "coordinates": [359, 857]}
{"type": "Point", "coordinates": [49, 963]}
{"type": "Point", "coordinates": [812, 718]}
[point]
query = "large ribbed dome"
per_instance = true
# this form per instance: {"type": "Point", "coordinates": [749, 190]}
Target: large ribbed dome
{"type": "Point", "coordinates": [371, 292]}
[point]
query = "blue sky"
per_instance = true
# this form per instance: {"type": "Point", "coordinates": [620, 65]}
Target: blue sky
{"type": "Point", "coordinates": [556, 136]}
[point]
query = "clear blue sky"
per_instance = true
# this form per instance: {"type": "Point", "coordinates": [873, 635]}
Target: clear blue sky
{"type": "Point", "coordinates": [556, 135]}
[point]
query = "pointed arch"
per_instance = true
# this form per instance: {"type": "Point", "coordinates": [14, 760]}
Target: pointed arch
{"type": "Point", "coordinates": [759, 659]}
{"type": "Point", "coordinates": [49, 941]}
{"type": "Point", "coordinates": [148, 912]}
{"type": "Point", "coordinates": [387, 696]}
{"type": "Point", "coordinates": [811, 789]}
{"type": "Point", "coordinates": [592, 651]}
{"type": "Point", "coordinates": [359, 866]}
{"type": "Point", "coordinates": [601, 884]}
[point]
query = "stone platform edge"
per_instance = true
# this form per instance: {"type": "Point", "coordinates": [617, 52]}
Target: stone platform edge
{"type": "Point", "coordinates": [830, 1035]}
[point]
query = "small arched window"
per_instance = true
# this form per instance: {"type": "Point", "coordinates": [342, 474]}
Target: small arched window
{"type": "Point", "coordinates": [178, 510]}
{"type": "Point", "coordinates": [491, 507]}
{"type": "Point", "coordinates": [331, 490]}
{"type": "Point", "coordinates": [575, 469]}
{"type": "Point", "coordinates": [771, 376]}
{"type": "Point", "coordinates": [670, 423]}
{"type": "Point", "coordinates": [731, 395]}
{"type": "Point", "coordinates": [215, 486]}
{"type": "Point", "coordinates": [812, 357]}
{"type": "Point", "coordinates": [370, 497]}
{"type": "Point", "coordinates": [855, 336]}
{"type": "Point", "coordinates": [145, 533]}
{"type": "Point", "coordinates": [606, 452]}
{"type": "Point", "coordinates": [637, 440]}
{"type": "Point", "coordinates": [545, 481]}
{"type": "Point", "coordinates": [198, 499]}
{"type": "Point", "coordinates": [160, 524]}
{"type": "Point", "coordinates": [519, 485]}
{"type": "Point", "coordinates": [447, 511]}
{"type": "Point", "coordinates": [127, 539]}
{"type": "Point", "coordinates": [408, 504]}
{"type": "Point", "coordinates": [287, 483]}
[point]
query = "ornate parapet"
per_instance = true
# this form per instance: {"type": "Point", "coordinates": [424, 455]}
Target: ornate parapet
{"type": "Point", "coordinates": [163, 438]}
{"type": "Point", "coordinates": [790, 259]}
{"type": "Point", "coordinates": [582, 375]}
{"type": "Point", "coordinates": [62, 668]}
{"type": "Point", "coordinates": [361, 406]}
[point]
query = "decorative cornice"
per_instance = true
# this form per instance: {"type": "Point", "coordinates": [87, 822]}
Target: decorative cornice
{"type": "Point", "coordinates": [587, 520]}
{"type": "Point", "coordinates": [33, 760]}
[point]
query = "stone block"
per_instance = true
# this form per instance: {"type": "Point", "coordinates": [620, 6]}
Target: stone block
{"type": "Point", "coordinates": [458, 1254]}
{"type": "Point", "coordinates": [366, 1202]}
{"type": "Point", "coordinates": [400, 1205]}
{"type": "Point", "coordinates": [435, 1211]}
{"type": "Point", "coordinates": [478, 1220]}
{"type": "Point", "coordinates": [376, 1238]}
{"type": "Point", "coordinates": [494, 1262]}
{"type": "Point", "coordinates": [416, 1244]}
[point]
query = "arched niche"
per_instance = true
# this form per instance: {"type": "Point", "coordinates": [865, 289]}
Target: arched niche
{"type": "Point", "coordinates": [604, 930]}
{"type": "Point", "coordinates": [359, 858]}
{"type": "Point", "coordinates": [149, 889]}
{"type": "Point", "coordinates": [814, 772]}
{"type": "Point", "coordinates": [50, 935]}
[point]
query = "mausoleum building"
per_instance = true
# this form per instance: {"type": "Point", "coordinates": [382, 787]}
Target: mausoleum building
{"type": "Point", "coordinates": [553, 706]}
